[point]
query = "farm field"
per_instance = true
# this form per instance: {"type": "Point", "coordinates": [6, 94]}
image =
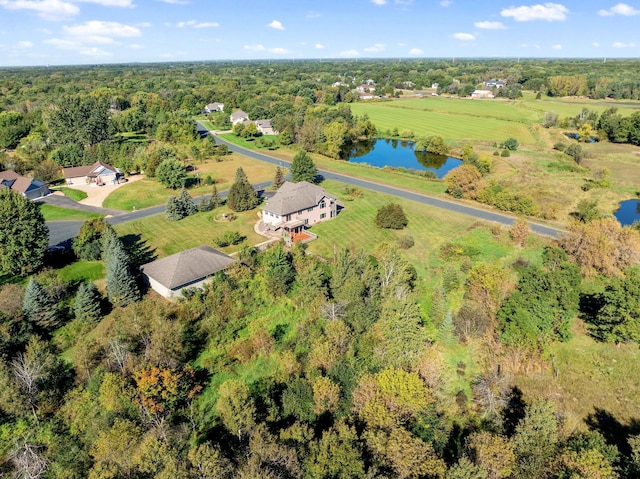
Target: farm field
{"type": "Point", "coordinates": [148, 192]}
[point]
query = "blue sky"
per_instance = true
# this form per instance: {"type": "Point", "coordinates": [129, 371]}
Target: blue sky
{"type": "Point", "coordinates": [63, 32]}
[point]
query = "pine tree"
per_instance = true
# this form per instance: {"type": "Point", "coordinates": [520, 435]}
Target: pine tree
{"type": "Point", "coordinates": [278, 181]}
{"type": "Point", "coordinates": [215, 197]}
{"type": "Point", "coordinates": [87, 303]}
{"type": "Point", "coordinates": [447, 330]}
{"type": "Point", "coordinates": [242, 196]}
{"type": "Point", "coordinates": [121, 284]}
{"type": "Point", "coordinates": [185, 204]}
{"type": "Point", "coordinates": [172, 210]}
{"type": "Point", "coordinates": [38, 307]}
{"type": "Point", "coordinates": [303, 168]}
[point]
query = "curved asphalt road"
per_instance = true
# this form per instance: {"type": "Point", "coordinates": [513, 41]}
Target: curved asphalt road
{"type": "Point", "coordinates": [61, 232]}
{"type": "Point", "coordinates": [478, 213]}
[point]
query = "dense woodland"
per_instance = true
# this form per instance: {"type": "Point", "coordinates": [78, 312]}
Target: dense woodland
{"type": "Point", "coordinates": [290, 365]}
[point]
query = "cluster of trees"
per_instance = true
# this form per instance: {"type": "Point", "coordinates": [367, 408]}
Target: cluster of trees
{"type": "Point", "coordinates": [348, 379]}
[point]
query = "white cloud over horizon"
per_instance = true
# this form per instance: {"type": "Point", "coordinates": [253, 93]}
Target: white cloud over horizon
{"type": "Point", "coordinates": [619, 9]}
{"type": "Point", "coordinates": [276, 25]}
{"type": "Point", "coordinates": [550, 12]}
{"type": "Point", "coordinates": [464, 36]}
{"type": "Point", "coordinates": [490, 25]}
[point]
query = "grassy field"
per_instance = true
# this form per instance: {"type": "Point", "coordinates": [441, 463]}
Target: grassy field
{"type": "Point", "coordinates": [455, 120]}
{"type": "Point", "coordinates": [568, 107]}
{"type": "Point", "coordinates": [168, 237]}
{"type": "Point", "coordinates": [148, 192]}
{"type": "Point", "coordinates": [74, 194]}
{"type": "Point", "coordinates": [56, 213]}
{"type": "Point", "coordinates": [82, 271]}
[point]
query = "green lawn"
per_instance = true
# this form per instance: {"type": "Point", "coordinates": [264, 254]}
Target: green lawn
{"type": "Point", "coordinates": [168, 237]}
{"type": "Point", "coordinates": [74, 194]}
{"type": "Point", "coordinates": [567, 107]}
{"type": "Point", "coordinates": [149, 192]}
{"type": "Point", "coordinates": [455, 120]}
{"type": "Point", "coordinates": [82, 271]}
{"type": "Point", "coordinates": [56, 213]}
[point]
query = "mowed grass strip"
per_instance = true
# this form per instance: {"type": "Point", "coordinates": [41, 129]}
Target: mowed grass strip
{"type": "Point", "coordinates": [453, 127]}
{"type": "Point", "coordinates": [166, 237]}
{"type": "Point", "coordinates": [149, 192]}
{"type": "Point", "coordinates": [567, 107]}
{"type": "Point", "coordinates": [56, 213]}
{"type": "Point", "coordinates": [74, 194]}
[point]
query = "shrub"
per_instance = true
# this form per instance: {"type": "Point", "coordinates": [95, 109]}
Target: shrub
{"type": "Point", "coordinates": [576, 152]}
{"type": "Point", "coordinates": [391, 216]}
{"type": "Point", "coordinates": [505, 153]}
{"type": "Point", "coordinates": [560, 146]}
{"type": "Point", "coordinates": [510, 144]}
{"type": "Point", "coordinates": [229, 238]}
{"type": "Point", "coordinates": [208, 180]}
{"type": "Point", "coordinates": [406, 242]}
{"type": "Point", "coordinates": [519, 232]}
{"type": "Point", "coordinates": [464, 182]}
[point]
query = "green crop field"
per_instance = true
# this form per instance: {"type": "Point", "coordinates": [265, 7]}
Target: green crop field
{"type": "Point", "coordinates": [466, 121]}
{"type": "Point", "coordinates": [566, 107]}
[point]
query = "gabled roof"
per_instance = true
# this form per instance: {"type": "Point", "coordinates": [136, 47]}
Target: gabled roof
{"type": "Point", "coordinates": [214, 106]}
{"type": "Point", "coordinates": [21, 184]}
{"type": "Point", "coordinates": [292, 197]}
{"type": "Point", "coordinates": [187, 267]}
{"type": "Point", "coordinates": [237, 115]}
{"type": "Point", "coordinates": [90, 170]}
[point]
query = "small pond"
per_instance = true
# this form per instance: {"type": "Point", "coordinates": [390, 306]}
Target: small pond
{"type": "Point", "coordinates": [628, 212]}
{"type": "Point", "coordinates": [399, 154]}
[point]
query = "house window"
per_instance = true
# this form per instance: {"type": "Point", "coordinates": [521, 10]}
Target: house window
{"type": "Point", "coordinates": [287, 218]}
{"type": "Point", "coordinates": [306, 221]}
{"type": "Point", "coordinates": [309, 210]}
{"type": "Point", "coordinates": [323, 204]}
{"type": "Point", "coordinates": [323, 216]}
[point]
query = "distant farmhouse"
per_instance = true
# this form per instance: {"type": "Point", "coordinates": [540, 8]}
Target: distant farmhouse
{"type": "Point", "coordinates": [188, 269]}
{"type": "Point", "coordinates": [295, 206]}
{"type": "Point", "coordinates": [97, 174]}
{"type": "Point", "coordinates": [493, 83]}
{"type": "Point", "coordinates": [482, 94]}
{"type": "Point", "coordinates": [214, 107]}
{"type": "Point", "coordinates": [27, 187]}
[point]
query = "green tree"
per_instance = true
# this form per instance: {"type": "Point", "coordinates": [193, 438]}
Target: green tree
{"type": "Point", "coordinates": [536, 440]}
{"type": "Point", "coordinates": [464, 181]}
{"type": "Point", "coordinates": [39, 308]}
{"type": "Point", "coordinates": [121, 283]}
{"type": "Point", "coordinates": [87, 303]}
{"type": "Point", "coordinates": [242, 196]}
{"type": "Point", "coordinates": [335, 134]}
{"type": "Point", "coordinates": [23, 234]}
{"type": "Point", "coordinates": [391, 216]}
{"type": "Point", "coordinates": [278, 180]}
{"type": "Point", "coordinates": [13, 127]}
{"type": "Point", "coordinates": [88, 244]}
{"type": "Point", "coordinates": [336, 455]}
{"type": "Point", "coordinates": [510, 144]}
{"type": "Point", "coordinates": [278, 269]}
{"type": "Point", "coordinates": [236, 408]}
{"type": "Point", "coordinates": [303, 168]}
{"type": "Point", "coordinates": [618, 317]}
{"type": "Point", "coordinates": [171, 173]}
{"type": "Point", "coordinates": [80, 119]}
{"type": "Point", "coordinates": [575, 151]}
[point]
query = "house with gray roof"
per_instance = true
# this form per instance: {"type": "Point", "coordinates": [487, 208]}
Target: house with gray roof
{"type": "Point", "coordinates": [238, 117]}
{"type": "Point", "coordinates": [296, 206]}
{"type": "Point", "coordinates": [265, 127]}
{"type": "Point", "coordinates": [97, 174]}
{"type": "Point", "coordinates": [188, 269]}
{"type": "Point", "coordinates": [28, 187]}
{"type": "Point", "coordinates": [213, 107]}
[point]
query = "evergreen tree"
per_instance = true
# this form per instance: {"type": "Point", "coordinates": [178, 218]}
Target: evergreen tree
{"type": "Point", "coordinates": [278, 180]}
{"type": "Point", "coordinates": [87, 303]}
{"type": "Point", "coordinates": [279, 271]}
{"type": "Point", "coordinates": [172, 210]}
{"type": "Point", "coordinates": [185, 204]}
{"type": "Point", "coordinates": [88, 244]}
{"type": "Point", "coordinates": [215, 200]}
{"type": "Point", "coordinates": [38, 307]}
{"type": "Point", "coordinates": [303, 168]}
{"type": "Point", "coordinates": [447, 330]}
{"type": "Point", "coordinates": [23, 234]}
{"type": "Point", "coordinates": [121, 284]}
{"type": "Point", "coordinates": [242, 196]}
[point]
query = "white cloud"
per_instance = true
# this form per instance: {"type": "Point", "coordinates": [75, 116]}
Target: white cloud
{"type": "Point", "coordinates": [25, 44]}
{"type": "Point", "coordinates": [379, 2]}
{"type": "Point", "coordinates": [47, 9]}
{"type": "Point", "coordinates": [549, 12]}
{"type": "Point", "coordinates": [319, 46]}
{"type": "Point", "coordinates": [415, 51]}
{"type": "Point", "coordinates": [254, 48]}
{"type": "Point", "coordinates": [463, 36]}
{"type": "Point", "coordinates": [176, 2]}
{"type": "Point", "coordinates": [196, 24]}
{"type": "Point", "coordinates": [96, 28]}
{"type": "Point", "coordinates": [623, 45]}
{"type": "Point", "coordinates": [279, 51]}
{"type": "Point", "coordinates": [276, 25]}
{"type": "Point", "coordinates": [490, 25]}
{"type": "Point", "coordinates": [349, 53]}
{"type": "Point", "coordinates": [378, 47]}
{"type": "Point", "coordinates": [619, 9]}
{"type": "Point", "coordinates": [556, 47]}
{"type": "Point", "coordinates": [110, 3]}
{"type": "Point", "coordinates": [446, 3]}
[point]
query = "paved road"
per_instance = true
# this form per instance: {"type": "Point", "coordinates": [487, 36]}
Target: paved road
{"type": "Point", "coordinates": [478, 213]}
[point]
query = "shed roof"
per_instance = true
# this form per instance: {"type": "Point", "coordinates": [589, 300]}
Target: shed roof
{"type": "Point", "coordinates": [186, 267]}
